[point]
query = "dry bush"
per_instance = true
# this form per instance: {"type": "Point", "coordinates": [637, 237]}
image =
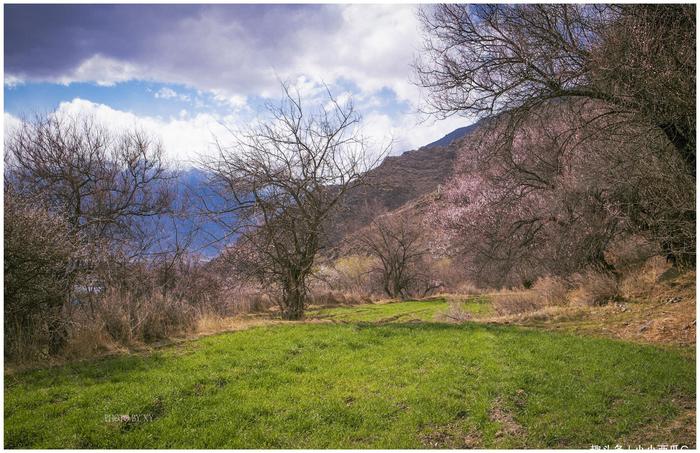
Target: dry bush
{"type": "Point", "coordinates": [244, 299]}
{"type": "Point", "coordinates": [467, 288]}
{"type": "Point", "coordinates": [211, 322]}
{"type": "Point", "coordinates": [39, 263]}
{"type": "Point", "coordinates": [547, 291]}
{"type": "Point", "coordinates": [89, 338]}
{"type": "Point", "coordinates": [456, 312]}
{"type": "Point", "coordinates": [129, 319]}
{"type": "Point", "coordinates": [513, 303]}
{"type": "Point", "coordinates": [254, 303]}
{"type": "Point", "coordinates": [26, 341]}
{"type": "Point", "coordinates": [353, 274]}
{"type": "Point", "coordinates": [449, 275]}
{"type": "Point", "coordinates": [593, 289]}
{"type": "Point", "coordinates": [550, 290]}
{"type": "Point", "coordinates": [640, 282]}
{"type": "Point", "coordinates": [630, 252]}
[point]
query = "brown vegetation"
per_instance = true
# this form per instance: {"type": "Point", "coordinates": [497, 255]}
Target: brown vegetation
{"type": "Point", "coordinates": [662, 312]}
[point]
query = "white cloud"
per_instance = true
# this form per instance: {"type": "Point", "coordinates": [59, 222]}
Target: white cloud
{"type": "Point", "coordinates": [187, 136]}
{"type": "Point", "coordinates": [10, 123]}
{"type": "Point", "coordinates": [169, 93]}
{"type": "Point", "coordinates": [102, 70]}
{"type": "Point", "coordinates": [371, 46]}
{"type": "Point", "coordinates": [408, 131]}
{"type": "Point", "coordinates": [184, 138]}
{"type": "Point", "coordinates": [165, 93]}
{"type": "Point", "coordinates": [12, 81]}
{"type": "Point", "coordinates": [234, 101]}
{"type": "Point", "coordinates": [357, 50]}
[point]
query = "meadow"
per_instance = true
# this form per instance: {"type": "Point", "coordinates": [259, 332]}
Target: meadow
{"type": "Point", "coordinates": [372, 376]}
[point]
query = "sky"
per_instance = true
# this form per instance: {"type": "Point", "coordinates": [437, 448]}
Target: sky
{"type": "Point", "coordinates": [191, 73]}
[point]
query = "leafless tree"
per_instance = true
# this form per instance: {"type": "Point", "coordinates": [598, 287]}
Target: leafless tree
{"type": "Point", "coordinates": [282, 179]}
{"type": "Point", "coordinates": [398, 245]}
{"type": "Point", "coordinates": [639, 60]}
{"type": "Point", "coordinates": [105, 185]}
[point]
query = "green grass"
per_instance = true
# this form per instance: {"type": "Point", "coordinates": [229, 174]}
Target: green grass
{"type": "Point", "coordinates": [357, 385]}
{"type": "Point", "coordinates": [409, 311]}
{"type": "Point", "coordinates": [389, 312]}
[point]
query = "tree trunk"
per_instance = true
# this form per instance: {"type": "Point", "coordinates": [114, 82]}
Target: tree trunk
{"type": "Point", "coordinates": [57, 332]}
{"type": "Point", "coordinates": [293, 302]}
{"type": "Point", "coordinates": [680, 138]}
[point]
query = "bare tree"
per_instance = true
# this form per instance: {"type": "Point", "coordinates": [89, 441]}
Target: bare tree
{"type": "Point", "coordinates": [638, 60]}
{"type": "Point", "coordinates": [105, 185]}
{"type": "Point", "coordinates": [398, 245]}
{"type": "Point", "coordinates": [283, 178]}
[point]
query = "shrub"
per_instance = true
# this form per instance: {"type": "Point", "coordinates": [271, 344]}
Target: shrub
{"type": "Point", "coordinates": [128, 318]}
{"type": "Point", "coordinates": [630, 252]}
{"type": "Point", "coordinates": [39, 253]}
{"type": "Point", "coordinates": [641, 282]}
{"type": "Point", "coordinates": [337, 298]}
{"type": "Point", "coordinates": [550, 290]}
{"type": "Point", "coordinates": [593, 289]}
{"type": "Point", "coordinates": [456, 312]}
{"type": "Point", "coordinates": [353, 274]}
{"type": "Point", "coordinates": [513, 303]}
{"type": "Point", "coordinates": [467, 288]}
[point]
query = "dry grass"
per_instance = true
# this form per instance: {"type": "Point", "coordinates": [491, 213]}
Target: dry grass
{"type": "Point", "coordinates": [551, 290]}
{"type": "Point", "coordinates": [651, 304]}
{"type": "Point", "coordinates": [665, 315]}
{"type": "Point", "coordinates": [467, 289]}
{"type": "Point", "coordinates": [456, 313]}
{"type": "Point", "coordinates": [593, 289]}
{"type": "Point", "coordinates": [641, 282]}
{"type": "Point", "coordinates": [515, 302]}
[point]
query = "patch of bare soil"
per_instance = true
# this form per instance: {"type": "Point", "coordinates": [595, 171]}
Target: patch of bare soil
{"type": "Point", "coordinates": [450, 436]}
{"type": "Point", "coordinates": [508, 425]}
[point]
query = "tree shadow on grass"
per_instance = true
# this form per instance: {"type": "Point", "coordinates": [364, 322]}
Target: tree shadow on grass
{"type": "Point", "coordinates": [111, 369]}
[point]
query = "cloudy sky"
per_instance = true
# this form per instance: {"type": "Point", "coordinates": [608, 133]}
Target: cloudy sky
{"type": "Point", "coordinates": [181, 71]}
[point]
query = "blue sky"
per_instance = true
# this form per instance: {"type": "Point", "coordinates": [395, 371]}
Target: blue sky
{"type": "Point", "coordinates": [184, 71]}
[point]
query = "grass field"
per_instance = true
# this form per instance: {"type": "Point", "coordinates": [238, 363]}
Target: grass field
{"type": "Point", "coordinates": [384, 376]}
{"type": "Point", "coordinates": [410, 311]}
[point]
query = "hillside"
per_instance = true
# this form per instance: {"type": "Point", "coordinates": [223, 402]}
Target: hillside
{"type": "Point", "coordinates": [399, 180]}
